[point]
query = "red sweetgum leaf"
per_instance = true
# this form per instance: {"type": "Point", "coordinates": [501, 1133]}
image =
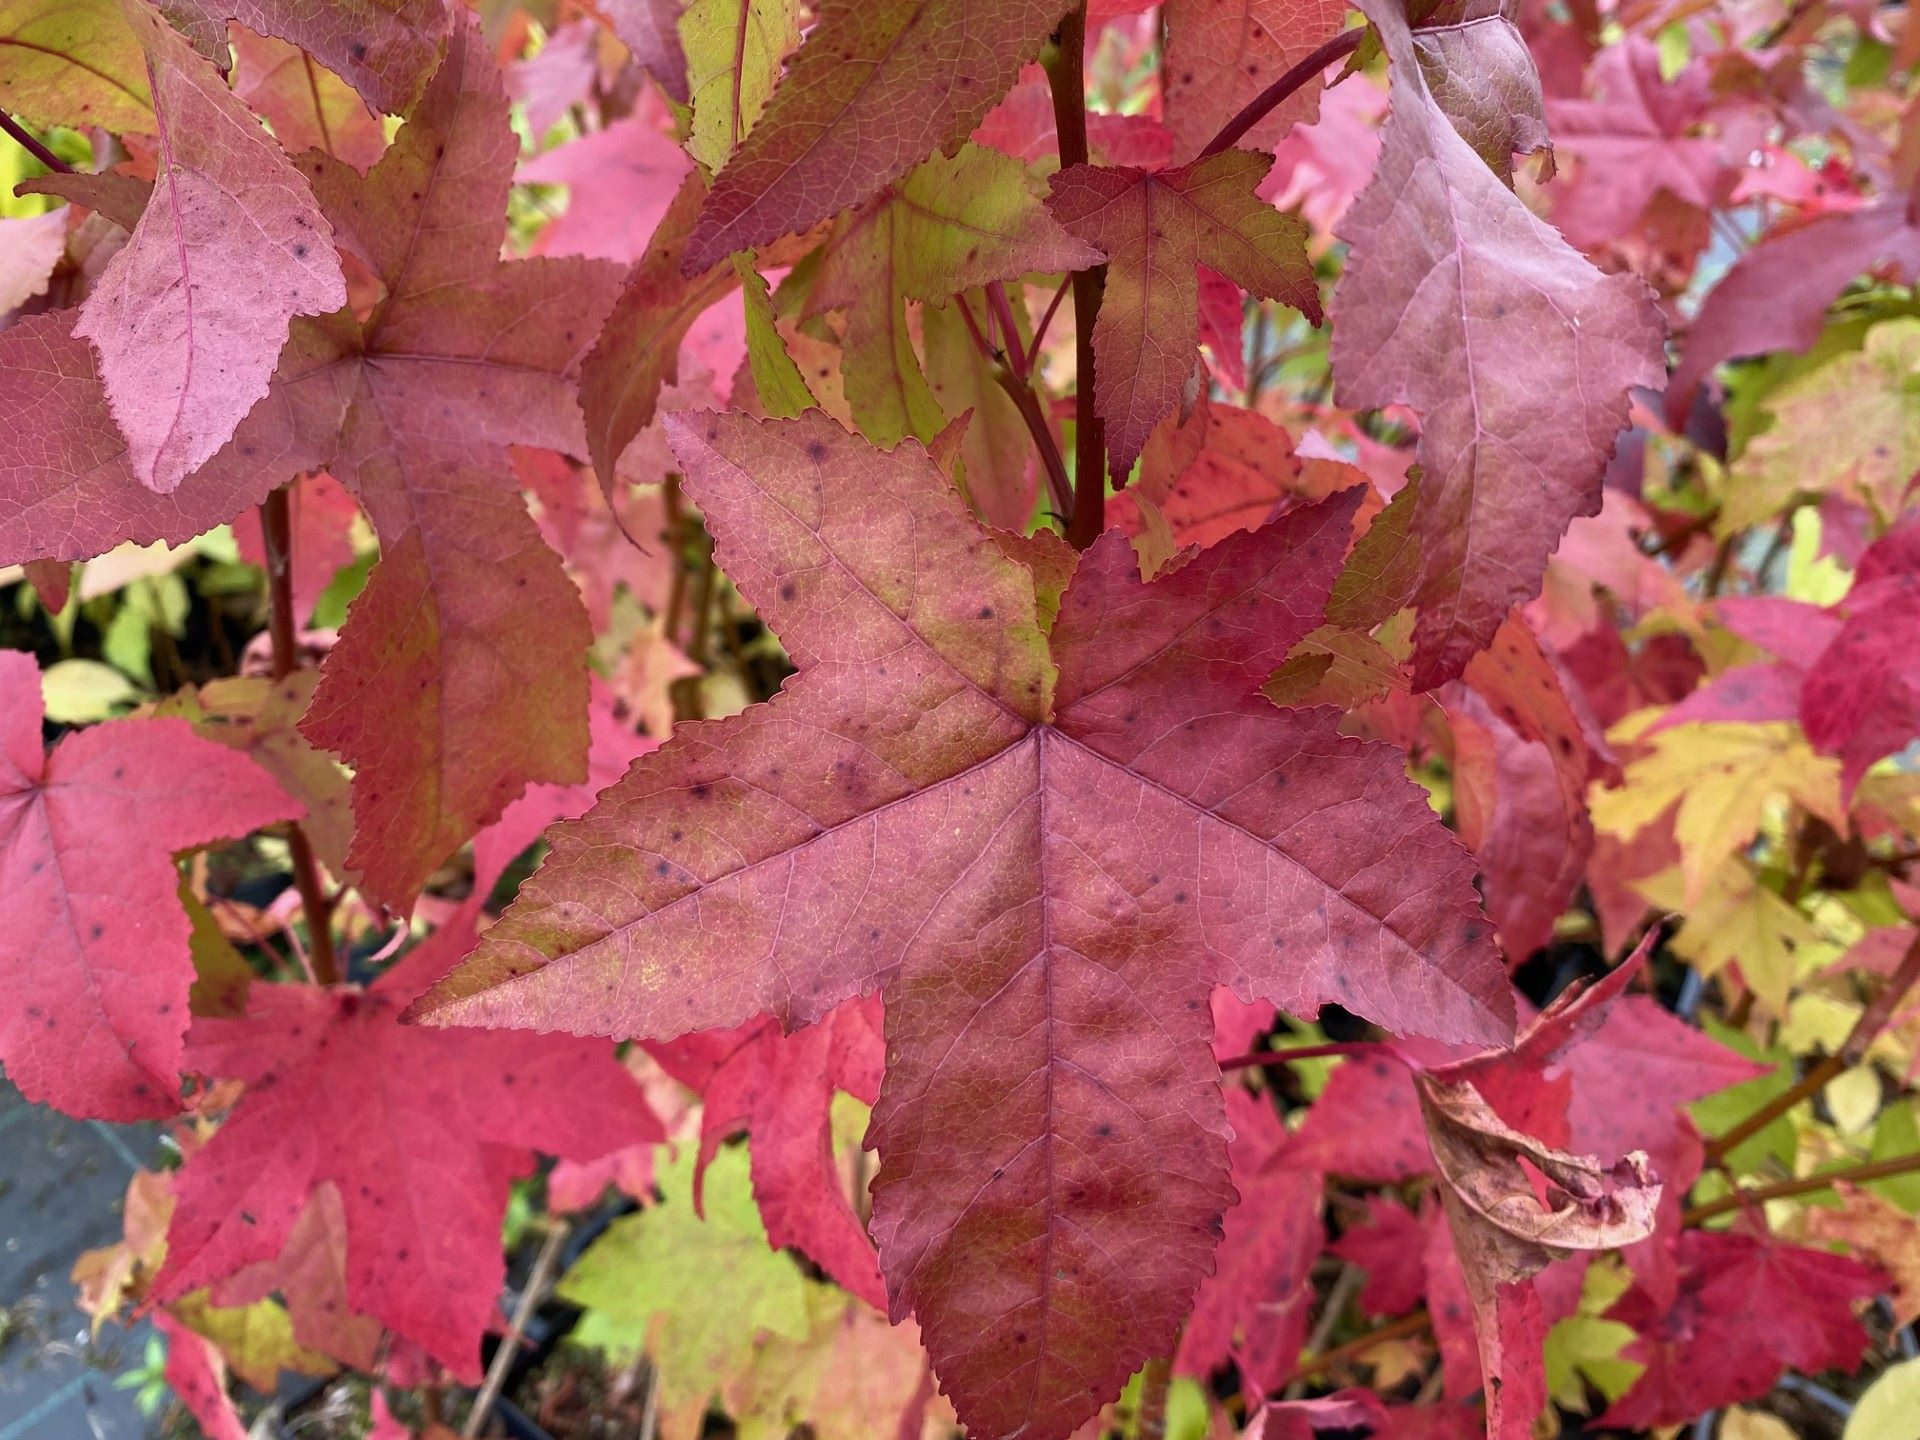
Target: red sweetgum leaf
{"type": "Point", "coordinates": [1531, 835]}
{"type": "Point", "coordinates": [197, 1373]}
{"type": "Point", "coordinates": [1032, 843]}
{"type": "Point", "coordinates": [1861, 699]}
{"type": "Point", "coordinates": [189, 318]}
{"type": "Point", "coordinates": [1387, 1245]}
{"type": "Point", "coordinates": [1635, 133]}
{"type": "Point", "coordinates": [1255, 1307]}
{"type": "Point", "coordinates": [1156, 228]}
{"type": "Point", "coordinates": [420, 1131]}
{"type": "Point", "coordinates": [1747, 1309]}
{"type": "Point", "coordinates": [1221, 55]}
{"type": "Point", "coordinates": [778, 1089]}
{"type": "Point", "coordinates": [1518, 423]}
{"type": "Point", "coordinates": [460, 675]}
{"type": "Point", "coordinates": [383, 48]}
{"type": "Point", "coordinates": [1775, 297]}
{"type": "Point", "coordinates": [95, 956]}
{"type": "Point", "coordinates": [1221, 470]}
{"type": "Point", "coordinates": [877, 87]}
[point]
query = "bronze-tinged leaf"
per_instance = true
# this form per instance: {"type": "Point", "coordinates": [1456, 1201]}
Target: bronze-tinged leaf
{"type": "Point", "coordinates": [189, 318]}
{"type": "Point", "coordinates": [876, 88]}
{"type": "Point", "coordinates": [1156, 228]}
{"type": "Point", "coordinates": [1045, 850]}
{"type": "Point", "coordinates": [1516, 351]}
{"type": "Point", "coordinates": [385, 49]}
{"type": "Point", "coordinates": [460, 676]}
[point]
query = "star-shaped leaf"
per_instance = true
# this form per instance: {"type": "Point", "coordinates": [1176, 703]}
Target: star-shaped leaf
{"type": "Point", "coordinates": [420, 1132]}
{"type": "Point", "coordinates": [189, 318]}
{"type": "Point", "coordinates": [95, 956]}
{"type": "Point", "coordinates": [1037, 845]}
{"type": "Point", "coordinates": [460, 676]}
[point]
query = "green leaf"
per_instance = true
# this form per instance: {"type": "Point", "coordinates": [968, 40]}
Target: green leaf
{"type": "Point", "coordinates": [777, 380]}
{"type": "Point", "coordinates": [696, 1295]}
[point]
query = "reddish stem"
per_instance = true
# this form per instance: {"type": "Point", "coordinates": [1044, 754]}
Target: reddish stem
{"type": "Point", "coordinates": [1308, 1052]}
{"type": "Point", "coordinates": [1065, 64]}
{"type": "Point", "coordinates": [1046, 320]}
{"type": "Point", "coordinates": [276, 528]}
{"type": "Point", "coordinates": [32, 145]}
{"type": "Point", "coordinates": [1263, 104]}
{"type": "Point", "coordinates": [1020, 391]}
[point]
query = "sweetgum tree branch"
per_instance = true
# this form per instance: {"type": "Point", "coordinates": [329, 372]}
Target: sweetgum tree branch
{"type": "Point", "coordinates": [32, 146]}
{"type": "Point", "coordinates": [276, 528]}
{"type": "Point", "coordinates": [1866, 1029]}
{"type": "Point", "coordinates": [1013, 374]}
{"type": "Point", "coordinates": [1803, 1185]}
{"type": "Point", "coordinates": [1264, 104]}
{"type": "Point", "coordinates": [1065, 63]}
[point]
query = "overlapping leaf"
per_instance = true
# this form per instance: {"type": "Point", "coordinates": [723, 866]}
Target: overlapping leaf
{"type": "Point", "coordinates": [1517, 353]}
{"type": "Point", "coordinates": [95, 957]}
{"type": "Point", "coordinates": [876, 89]}
{"type": "Point", "coordinates": [190, 317]}
{"type": "Point", "coordinates": [420, 1135]}
{"type": "Point", "coordinates": [1011, 845]}
{"type": "Point", "coordinates": [1156, 228]}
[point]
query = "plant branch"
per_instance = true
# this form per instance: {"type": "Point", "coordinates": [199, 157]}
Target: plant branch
{"type": "Point", "coordinates": [1866, 1029]}
{"type": "Point", "coordinates": [276, 530]}
{"type": "Point", "coordinates": [1046, 320]}
{"type": "Point", "coordinates": [1020, 391]}
{"type": "Point", "coordinates": [1411, 1324]}
{"type": "Point", "coordinates": [1804, 1185]}
{"type": "Point", "coordinates": [1263, 104]}
{"type": "Point", "coordinates": [1065, 63]}
{"type": "Point", "coordinates": [1305, 1052]}
{"type": "Point", "coordinates": [32, 146]}
{"type": "Point", "coordinates": [538, 1279]}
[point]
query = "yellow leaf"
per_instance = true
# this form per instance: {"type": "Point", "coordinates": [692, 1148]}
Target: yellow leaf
{"type": "Point", "coordinates": [1738, 919]}
{"type": "Point", "coordinates": [1851, 426]}
{"type": "Point", "coordinates": [1890, 1410]}
{"type": "Point", "coordinates": [1724, 777]}
{"type": "Point", "coordinates": [256, 1339]}
{"type": "Point", "coordinates": [1743, 1424]}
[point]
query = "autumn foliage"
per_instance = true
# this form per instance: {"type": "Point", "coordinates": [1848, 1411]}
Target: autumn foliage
{"type": "Point", "coordinates": [890, 716]}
